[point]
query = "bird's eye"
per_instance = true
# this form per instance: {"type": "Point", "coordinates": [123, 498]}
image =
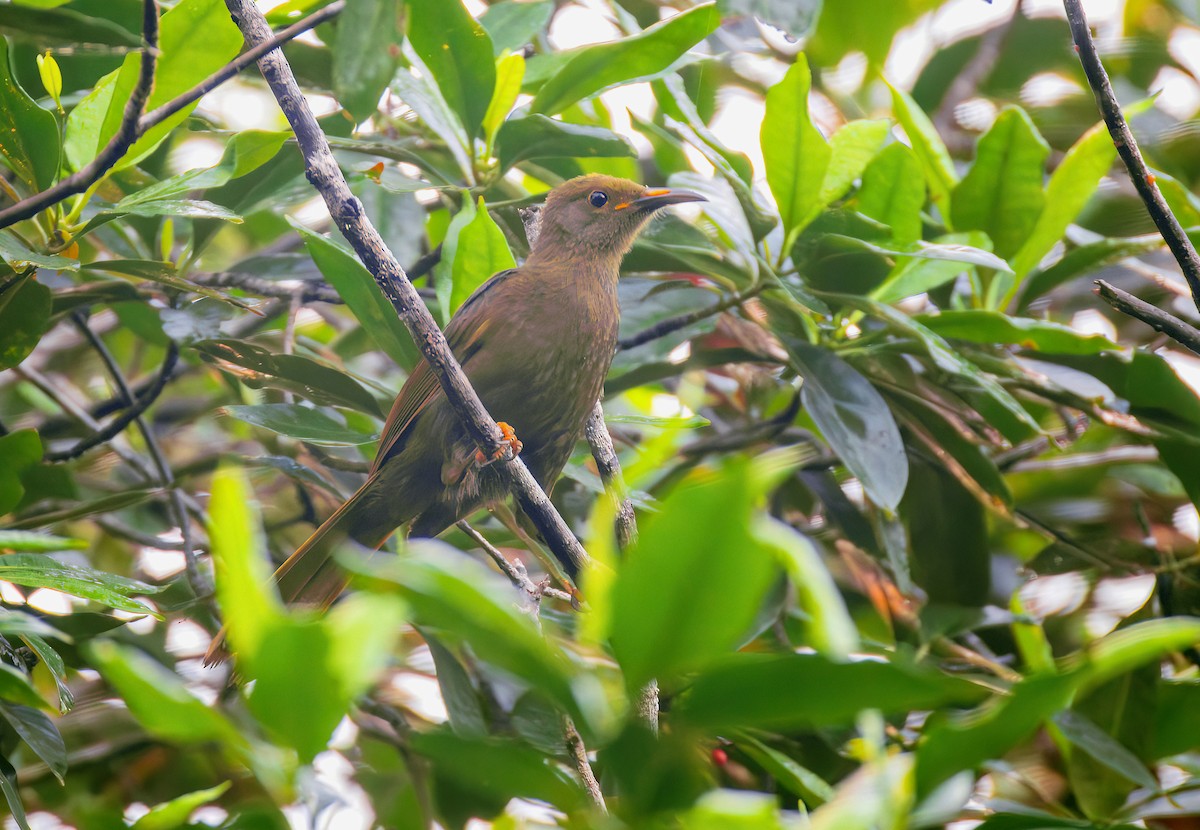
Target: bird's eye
{"type": "Point", "coordinates": [598, 198]}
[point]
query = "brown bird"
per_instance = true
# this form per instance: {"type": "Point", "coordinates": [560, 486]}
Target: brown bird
{"type": "Point", "coordinates": [536, 343]}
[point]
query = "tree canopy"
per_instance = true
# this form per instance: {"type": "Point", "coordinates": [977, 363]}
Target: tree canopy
{"type": "Point", "coordinates": [890, 505]}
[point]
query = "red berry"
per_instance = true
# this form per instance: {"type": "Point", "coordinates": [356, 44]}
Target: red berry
{"type": "Point", "coordinates": [720, 757]}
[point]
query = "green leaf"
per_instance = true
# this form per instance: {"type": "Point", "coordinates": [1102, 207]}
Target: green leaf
{"type": "Point", "coordinates": [363, 58]}
{"type": "Point", "coordinates": [248, 605]}
{"type": "Point", "coordinates": [962, 742]}
{"type": "Point", "coordinates": [513, 25]}
{"type": "Point", "coordinates": [66, 26]}
{"type": "Point", "coordinates": [55, 665]}
{"type": "Point", "coordinates": [475, 253]}
{"type": "Point", "coordinates": [174, 813]}
{"type": "Point", "coordinates": [458, 52]}
{"type": "Point", "coordinates": [104, 504]}
{"type": "Point", "coordinates": [461, 600]}
{"type": "Point", "coordinates": [982, 326]}
{"type": "Point", "coordinates": [316, 382]}
{"type": "Point", "coordinates": [733, 810]}
{"type": "Point", "coordinates": [1069, 189]}
{"type": "Point", "coordinates": [196, 38]}
{"type": "Point", "coordinates": [19, 257]}
{"type": "Point", "coordinates": [1104, 748]}
{"type": "Point", "coordinates": [363, 296]}
{"type": "Point", "coordinates": [1081, 260]}
{"type": "Point", "coordinates": [301, 422]}
{"type": "Point", "coordinates": [303, 716]}
{"type": "Point", "coordinates": [28, 134]}
{"type": "Point", "coordinates": [595, 68]}
{"type": "Point", "coordinates": [830, 627]}
{"type": "Point", "coordinates": [793, 691]}
{"type": "Point", "coordinates": [854, 419]}
{"type": "Point", "coordinates": [928, 147]}
{"type": "Point", "coordinates": [24, 317]}
{"type": "Point", "coordinates": [508, 769]}
{"type": "Point", "coordinates": [852, 148]}
{"type": "Point", "coordinates": [158, 698]}
{"type": "Point", "coordinates": [1001, 194]}
{"type": "Point", "coordinates": [19, 451]}
{"type": "Point", "coordinates": [784, 769]}
{"type": "Point", "coordinates": [462, 700]}
{"type": "Point", "coordinates": [20, 624]}
{"type": "Point", "coordinates": [8, 783]}
{"type": "Point", "coordinates": [946, 358]}
{"type": "Point", "coordinates": [795, 153]}
{"type": "Point", "coordinates": [893, 192]}
{"type": "Point", "coordinates": [25, 541]}
{"type": "Point", "coordinates": [16, 687]}
{"type": "Point", "coordinates": [680, 599]}
{"type": "Point", "coordinates": [246, 151]}
{"type": "Point", "coordinates": [862, 26]}
{"type": "Point", "coordinates": [39, 733]}
{"type": "Point", "coordinates": [536, 137]}
{"type": "Point", "coordinates": [37, 570]}
{"type": "Point", "coordinates": [510, 71]}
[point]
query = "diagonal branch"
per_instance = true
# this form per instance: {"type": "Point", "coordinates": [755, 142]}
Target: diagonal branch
{"type": "Point", "coordinates": [1159, 320]}
{"type": "Point", "coordinates": [1143, 179]}
{"type": "Point", "coordinates": [139, 403]}
{"type": "Point", "coordinates": [348, 214]}
{"type": "Point", "coordinates": [120, 143]}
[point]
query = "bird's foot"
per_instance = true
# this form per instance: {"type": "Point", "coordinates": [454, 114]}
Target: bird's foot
{"type": "Point", "coordinates": [510, 442]}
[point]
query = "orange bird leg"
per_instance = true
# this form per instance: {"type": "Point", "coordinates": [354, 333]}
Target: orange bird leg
{"type": "Point", "coordinates": [510, 442]}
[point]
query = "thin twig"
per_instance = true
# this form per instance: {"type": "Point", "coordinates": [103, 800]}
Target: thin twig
{"type": "Point", "coordinates": [1143, 179]}
{"type": "Point", "coordinates": [609, 467]}
{"type": "Point", "coordinates": [583, 766]}
{"type": "Point", "coordinates": [308, 292]}
{"type": "Point", "coordinates": [350, 218]}
{"type": "Point", "coordinates": [197, 580]}
{"type": "Point", "coordinates": [235, 66]}
{"type": "Point", "coordinates": [141, 402]}
{"type": "Point", "coordinates": [126, 134]}
{"type": "Point", "coordinates": [77, 413]}
{"type": "Point", "coordinates": [516, 574]}
{"type": "Point", "coordinates": [673, 324]}
{"type": "Point", "coordinates": [134, 127]}
{"type": "Point", "coordinates": [1179, 331]}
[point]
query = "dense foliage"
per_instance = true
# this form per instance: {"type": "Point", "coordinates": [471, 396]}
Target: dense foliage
{"type": "Point", "coordinates": [917, 536]}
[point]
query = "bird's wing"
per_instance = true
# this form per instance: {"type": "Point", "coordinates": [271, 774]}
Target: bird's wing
{"type": "Point", "coordinates": [465, 335]}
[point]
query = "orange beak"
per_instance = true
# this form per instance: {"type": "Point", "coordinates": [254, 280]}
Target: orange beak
{"type": "Point", "coordinates": [656, 198]}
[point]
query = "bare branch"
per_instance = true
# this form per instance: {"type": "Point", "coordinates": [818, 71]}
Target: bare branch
{"type": "Point", "coordinates": [348, 215]}
{"type": "Point", "coordinates": [516, 574]}
{"type": "Point", "coordinates": [609, 467]}
{"type": "Point", "coordinates": [1179, 331]}
{"type": "Point", "coordinates": [583, 766]}
{"type": "Point", "coordinates": [197, 580]}
{"type": "Point", "coordinates": [134, 127]}
{"type": "Point", "coordinates": [1143, 179]}
{"type": "Point", "coordinates": [127, 133]}
{"type": "Point", "coordinates": [140, 403]}
{"type": "Point", "coordinates": [673, 324]}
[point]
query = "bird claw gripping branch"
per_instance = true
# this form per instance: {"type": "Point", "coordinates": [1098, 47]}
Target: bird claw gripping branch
{"type": "Point", "coordinates": [510, 442]}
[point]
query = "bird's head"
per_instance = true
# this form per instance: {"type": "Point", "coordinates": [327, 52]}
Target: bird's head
{"type": "Point", "coordinates": [599, 216]}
